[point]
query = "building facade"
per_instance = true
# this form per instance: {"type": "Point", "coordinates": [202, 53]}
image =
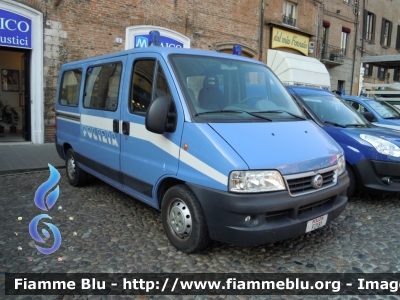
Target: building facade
{"type": "Point", "coordinates": [38, 36]}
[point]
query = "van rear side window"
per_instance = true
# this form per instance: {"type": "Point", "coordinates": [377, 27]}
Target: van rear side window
{"type": "Point", "coordinates": [102, 86]}
{"type": "Point", "coordinates": [70, 86]}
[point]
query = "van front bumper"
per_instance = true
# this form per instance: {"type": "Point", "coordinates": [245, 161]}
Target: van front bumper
{"type": "Point", "coordinates": [370, 174]}
{"type": "Point", "coordinates": [274, 216]}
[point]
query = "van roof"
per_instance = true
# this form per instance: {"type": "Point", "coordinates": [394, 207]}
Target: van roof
{"type": "Point", "coordinates": [165, 51]}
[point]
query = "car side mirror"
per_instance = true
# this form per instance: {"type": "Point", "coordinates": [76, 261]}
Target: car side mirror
{"type": "Point", "coordinates": [161, 116]}
{"type": "Point", "coordinates": [369, 116]}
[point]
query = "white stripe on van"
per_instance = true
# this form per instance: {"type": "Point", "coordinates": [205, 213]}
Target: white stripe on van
{"type": "Point", "coordinates": [140, 132]}
{"type": "Point", "coordinates": [98, 122]}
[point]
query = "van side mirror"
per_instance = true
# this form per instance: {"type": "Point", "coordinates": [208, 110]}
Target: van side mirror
{"type": "Point", "coordinates": [369, 116]}
{"type": "Point", "coordinates": [161, 116]}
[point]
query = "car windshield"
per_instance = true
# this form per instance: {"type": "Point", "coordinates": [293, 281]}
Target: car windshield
{"type": "Point", "coordinates": [333, 110]}
{"type": "Point", "coordinates": [229, 90]}
{"type": "Point", "coordinates": [385, 110]}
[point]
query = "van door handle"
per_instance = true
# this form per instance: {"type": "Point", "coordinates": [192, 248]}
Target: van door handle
{"type": "Point", "coordinates": [125, 127]}
{"type": "Point", "coordinates": [116, 126]}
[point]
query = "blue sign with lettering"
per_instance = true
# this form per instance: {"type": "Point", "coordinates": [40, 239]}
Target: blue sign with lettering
{"type": "Point", "coordinates": [143, 41]}
{"type": "Point", "coordinates": [15, 30]}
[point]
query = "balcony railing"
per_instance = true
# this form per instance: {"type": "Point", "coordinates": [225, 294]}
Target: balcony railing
{"type": "Point", "coordinates": [288, 20]}
{"type": "Point", "coordinates": [332, 53]}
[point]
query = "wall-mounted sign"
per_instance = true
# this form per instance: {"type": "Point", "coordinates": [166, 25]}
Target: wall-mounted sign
{"type": "Point", "coordinates": [285, 39]}
{"type": "Point", "coordinates": [143, 41]}
{"type": "Point", "coordinates": [15, 30]}
{"type": "Point", "coordinates": [138, 37]}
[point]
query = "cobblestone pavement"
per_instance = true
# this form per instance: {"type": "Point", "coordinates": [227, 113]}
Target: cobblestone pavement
{"type": "Point", "coordinates": [104, 230]}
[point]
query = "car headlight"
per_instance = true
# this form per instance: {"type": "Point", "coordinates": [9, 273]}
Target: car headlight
{"type": "Point", "coordinates": [341, 165]}
{"type": "Point", "coordinates": [381, 145]}
{"type": "Point", "coordinates": [255, 181]}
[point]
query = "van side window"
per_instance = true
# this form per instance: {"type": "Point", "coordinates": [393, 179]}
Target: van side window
{"type": "Point", "coordinates": [141, 86]}
{"type": "Point", "coordinates": [142, 92]}
{"type": "Point", "coordinates": [70, 86]}
{"type": "Point", "coordinates": [102, 86]}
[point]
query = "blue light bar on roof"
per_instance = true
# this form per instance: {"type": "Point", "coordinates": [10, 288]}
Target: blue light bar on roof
{"type": "Point", "coordinates": [154, 38]}
{"type": "Point", "coordinates": [237, 50]}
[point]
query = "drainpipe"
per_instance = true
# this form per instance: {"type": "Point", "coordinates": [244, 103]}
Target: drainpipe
{"type": "Point", "coordinates": [354, 53]}
{"type": "Point", "coordinates": [261, 31]}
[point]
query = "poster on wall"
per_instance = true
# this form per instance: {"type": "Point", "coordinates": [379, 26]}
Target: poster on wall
{"type": "Point", "coordinates": [9, 80]}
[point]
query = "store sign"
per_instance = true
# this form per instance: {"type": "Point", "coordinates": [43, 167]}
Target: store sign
{"type": "Point", "coordinates": [286, 39]}
{"type": "Point", "coordinates": [15, 30]}
{"type": "Point", "coordinates": [142, 40]}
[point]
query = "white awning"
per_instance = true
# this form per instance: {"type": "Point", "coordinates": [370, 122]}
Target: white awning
{"type": "Point", "coordinates": [298, 69]}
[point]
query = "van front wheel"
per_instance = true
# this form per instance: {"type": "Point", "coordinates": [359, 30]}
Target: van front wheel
{"type": "Point", "coordinates": [183, 220]}
{"type": "Point", "coordinates": [75, 175]}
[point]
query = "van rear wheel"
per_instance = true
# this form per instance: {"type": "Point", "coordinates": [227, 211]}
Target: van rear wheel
{"type": "Point", "coordinates": [183, 220]}
{"type": "Point", "coordinates": [75, 175]}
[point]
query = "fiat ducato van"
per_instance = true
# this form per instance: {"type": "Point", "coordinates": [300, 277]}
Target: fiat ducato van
{"type": "Point", "coordinates": [184, 131]}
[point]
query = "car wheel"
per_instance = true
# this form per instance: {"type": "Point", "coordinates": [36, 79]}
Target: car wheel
{"type": "Point", "coordinates": [183, 220]}
{"type": "Point", "coordinates": [351, 190]}
{"type": "Point", "coordinates": [75, 175]}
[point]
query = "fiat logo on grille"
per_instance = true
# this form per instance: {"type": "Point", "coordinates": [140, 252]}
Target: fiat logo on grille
{"type": "Point", "coordinates": [317, 181]}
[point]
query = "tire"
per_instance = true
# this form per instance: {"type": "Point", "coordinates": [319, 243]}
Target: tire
{"type": "Point", "coordinates": [183, 220]}
{"type": "Point", "coordinates": [351, 190]}
{"type": "Point", "coordinates": [75, 175]}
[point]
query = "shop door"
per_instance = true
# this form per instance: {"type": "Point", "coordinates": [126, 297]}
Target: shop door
{"type": "Point", "coordinates": [24, 97]}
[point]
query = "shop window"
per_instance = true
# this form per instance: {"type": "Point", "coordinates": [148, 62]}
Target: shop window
{"type": "Point", "coordinates": [289, 14]}
{"type": "Point", "coordinates": [368, 68]}
{"type": "Point", "coordinates": [70, 87]}
{"type": "Point", "coordinates": [398, 38]}
{"type": "Point", "coordinates": [386, 32]}
{"type": "Point", "coordinates": [381, 73]}
{"type": "Point", "coordinates": [102, 86]}
{"type": "Point", "coordinates": [369, 23]}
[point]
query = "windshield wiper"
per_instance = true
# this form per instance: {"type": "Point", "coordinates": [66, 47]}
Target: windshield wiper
{"type": "Point", "coordinates": [355, 125]}
{"type": "Point", "coordinates": [232, 111]}
{"type": "Point", "coordinates": [335, 124]}
{"type": "Point", "coordinates": [392, 118]}
{"type": "Point", "coordinates": [282, 111]}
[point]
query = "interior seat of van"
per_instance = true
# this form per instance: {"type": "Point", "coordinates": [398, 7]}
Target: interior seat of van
{"type": "Point", "coordinates": [210, 96]}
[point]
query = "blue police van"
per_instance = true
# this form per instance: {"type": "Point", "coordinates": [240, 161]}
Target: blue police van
{"type": "Point", "coordinates": [179, 130]}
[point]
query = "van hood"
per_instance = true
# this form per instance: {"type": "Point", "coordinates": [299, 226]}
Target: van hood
{"type": "Point", "coordinates": [290, 147]}
{"type": "Point", "coordinates": [392, 124]}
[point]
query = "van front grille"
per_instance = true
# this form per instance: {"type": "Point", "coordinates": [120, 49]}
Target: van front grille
{"type": "Point", "coordinates": [300, 184]}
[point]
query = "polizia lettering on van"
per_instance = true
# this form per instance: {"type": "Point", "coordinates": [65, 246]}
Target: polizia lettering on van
{"type": "Point", "coordinates": [100, 135]}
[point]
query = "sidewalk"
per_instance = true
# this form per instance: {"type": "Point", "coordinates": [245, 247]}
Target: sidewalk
{"type": "Point", "coordinates": [25, 156]}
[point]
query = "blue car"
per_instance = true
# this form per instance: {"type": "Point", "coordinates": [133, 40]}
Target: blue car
{"type": "Point", "coordinates": [379, 113]}
{"type": "Point", "coordinates": [372, 153]}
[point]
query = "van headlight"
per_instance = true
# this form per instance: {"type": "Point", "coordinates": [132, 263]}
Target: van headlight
{"type": "Point", "coordinates": [341, 165]}
{"type": "Point", "coordinates": [255, 181]}
{"type": "Point", "coordinates": [381, 145]}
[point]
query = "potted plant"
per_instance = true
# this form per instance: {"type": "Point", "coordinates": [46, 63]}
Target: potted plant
{"type": "Point", "coordinates": [10, 117]}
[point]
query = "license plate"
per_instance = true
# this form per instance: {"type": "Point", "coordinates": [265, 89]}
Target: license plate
{"type": "Point", "coordinates": [316, 223]}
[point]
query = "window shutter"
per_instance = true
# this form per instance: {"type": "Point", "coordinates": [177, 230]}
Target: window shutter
{"type": "Point", "coordinates": [398, 38]}
{"type": "Point", "coordinates": [365, 24]}
{"type": "Point", "coordinates": [373, 28]}
{"type": "Point", "coordinates": [383, 31]}
{"type": "Point", "coordinates": [389, 34]}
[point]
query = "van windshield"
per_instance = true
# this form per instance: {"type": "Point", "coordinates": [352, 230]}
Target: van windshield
{"type": "Point", "coordinates": [333, 110]}
{"type": "Point", "coordinates": [229, 90]}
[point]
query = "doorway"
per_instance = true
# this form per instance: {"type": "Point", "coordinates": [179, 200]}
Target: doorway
{"type": "Point", "coordinates": [15, 115]}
